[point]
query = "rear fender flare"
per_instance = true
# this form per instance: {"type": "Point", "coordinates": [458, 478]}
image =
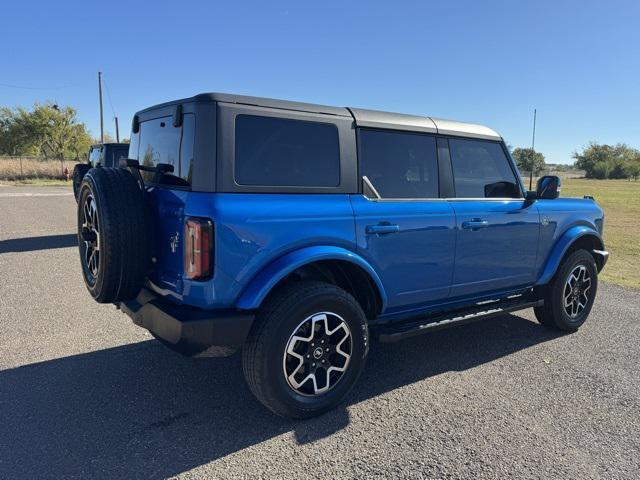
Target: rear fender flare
{"type": "Point", "coordinates": [260, 286]}
{"type": "Point", "coordinates": [560, 248]}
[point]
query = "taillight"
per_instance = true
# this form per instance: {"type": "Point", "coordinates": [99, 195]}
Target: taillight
{"type": "Point", "coordinates": [198, 251]}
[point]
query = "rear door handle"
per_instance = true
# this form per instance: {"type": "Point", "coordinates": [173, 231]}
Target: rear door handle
{"type": "Point", "coordinates": [475, 224]}
{"type": "Point", "coordinates": [382, 229]}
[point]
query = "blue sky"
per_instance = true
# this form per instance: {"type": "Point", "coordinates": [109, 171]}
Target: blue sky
{"type": "Point", "coordinates": [577, 62]}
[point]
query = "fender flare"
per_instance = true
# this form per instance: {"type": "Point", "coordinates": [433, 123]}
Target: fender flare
{"type": "Point", "coordinates": [560, 248]}
{"type": "Point", "coordinates": [261, 284]}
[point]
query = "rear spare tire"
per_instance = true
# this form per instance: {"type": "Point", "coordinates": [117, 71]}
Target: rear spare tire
{"type": "Point", "coordinates": [111, 234]}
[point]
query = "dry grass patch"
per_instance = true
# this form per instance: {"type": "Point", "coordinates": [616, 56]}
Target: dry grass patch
{"type": "Point", "coordinates": [16, 169]}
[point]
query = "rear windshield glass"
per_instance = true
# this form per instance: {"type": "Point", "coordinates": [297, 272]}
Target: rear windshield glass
{"type": "Point", "coordinates": [282, 152]}
{"type": "Point", "coordinates": [160, 142]}
{"type": "Point", "coordinates": [114, 154]}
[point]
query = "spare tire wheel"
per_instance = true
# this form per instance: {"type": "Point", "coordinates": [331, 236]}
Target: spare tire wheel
{"type": "Point", "coordinates": [112, 236]}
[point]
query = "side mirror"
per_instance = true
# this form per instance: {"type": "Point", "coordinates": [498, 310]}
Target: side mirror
{"type": "Point", "coordinates": [548, 187]}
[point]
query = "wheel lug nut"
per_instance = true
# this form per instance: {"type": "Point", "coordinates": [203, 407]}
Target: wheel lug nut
{"type": "Point", "coordinates": [313, 364]}
{"type": "Point", "coordinates": [308, 356]}
{"type": "Point", "coordinates": [327, 350]}
{"type": "Point", "coordinates": [321, 341]}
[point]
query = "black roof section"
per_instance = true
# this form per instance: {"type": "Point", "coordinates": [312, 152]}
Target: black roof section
{"type": "Point", "coordinates": [362, 117]}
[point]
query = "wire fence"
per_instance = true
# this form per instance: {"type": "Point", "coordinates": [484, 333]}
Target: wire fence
{"type": "Point", "coordinates": [573, 173]}
{"type": "Point", "coordinates": [27, 168]}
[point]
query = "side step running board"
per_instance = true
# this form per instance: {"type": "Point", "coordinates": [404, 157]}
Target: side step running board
{"type": "Point", "coordinates": [410, 328]}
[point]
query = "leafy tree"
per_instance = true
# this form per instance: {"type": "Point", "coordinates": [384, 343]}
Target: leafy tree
{"type": "Point", "coordinates": [46, 130]}
{"type": "Point", "coordinates": [10, 141]}
{"type": "Point", "coordinates": [600, 170]}
{"type": "Point", "coordinates": [528, 159]}
{"type": "Point", "coordinates": [633, 169]}
{"type": "Point", "coordinates": [607, 161]}
{"type": "Point", "coordinates": [107, 139]}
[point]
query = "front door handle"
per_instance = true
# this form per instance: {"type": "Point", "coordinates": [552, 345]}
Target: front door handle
{"type": "Point", "coordinates": [475, 224]}
{"type": "Point", "coordinates": [382, 229]}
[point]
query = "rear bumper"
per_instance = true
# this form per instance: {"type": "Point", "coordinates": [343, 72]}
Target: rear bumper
{"type": "Point", "coordinates": [188, 330]}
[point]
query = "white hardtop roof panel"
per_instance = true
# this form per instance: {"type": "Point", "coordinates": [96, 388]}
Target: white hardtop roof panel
{"type": "Point", "coordinates": [452, 127]}
{"type": "Point", "coordinates": [395, 121]}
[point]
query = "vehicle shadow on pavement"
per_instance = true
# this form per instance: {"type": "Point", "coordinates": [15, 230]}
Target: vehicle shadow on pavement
{"type": "Point", "coordinates": [141, 410]}
{"type": "Point", "coordinates": [29, 244]}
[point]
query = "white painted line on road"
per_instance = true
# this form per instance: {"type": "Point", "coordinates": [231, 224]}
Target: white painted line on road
{"type": "Point", "coordinates": [24, 194]}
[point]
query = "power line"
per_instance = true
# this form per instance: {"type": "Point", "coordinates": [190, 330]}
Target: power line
{"type": "Point", "coordinates": [106, 87]}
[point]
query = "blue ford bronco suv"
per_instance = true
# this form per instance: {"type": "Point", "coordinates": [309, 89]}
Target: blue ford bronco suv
{"type": "Point", "coordinates": [295, 232]}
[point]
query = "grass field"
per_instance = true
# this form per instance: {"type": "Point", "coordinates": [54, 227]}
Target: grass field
{"type": "Point", "coordinates": [620, 200]}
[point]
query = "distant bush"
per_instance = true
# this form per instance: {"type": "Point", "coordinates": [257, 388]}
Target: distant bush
{"type": "Point", "coordinates": [607, 161]}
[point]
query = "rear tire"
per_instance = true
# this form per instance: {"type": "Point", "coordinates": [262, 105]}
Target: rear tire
{"type": "Point", "coordinates": [112, 235]}
{"type": "Point", "coordinates": [569, 297]}
{"type": "Point", "coordinates": [306, 349]}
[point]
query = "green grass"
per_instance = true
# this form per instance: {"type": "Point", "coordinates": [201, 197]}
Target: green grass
{"type": "Point", "coordinates": [44, 182]}
{"type": "Point", "coordinates": [620, 200]}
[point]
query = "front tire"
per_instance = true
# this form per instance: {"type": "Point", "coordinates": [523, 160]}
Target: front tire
{"type": "Point", "coordinates": [306, 349]}
{"type": "Point", "coordinates": [569, 297]}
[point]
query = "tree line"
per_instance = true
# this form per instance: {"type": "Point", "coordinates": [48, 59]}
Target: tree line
{"type": "Point", "coordinates": [597, 160]}
{"type": "Point", "coordinates": [51, 131]}
{"type": "Point", "coordinates": [47, 130]}
{"type": "Point", "coordinates": [609, 161]}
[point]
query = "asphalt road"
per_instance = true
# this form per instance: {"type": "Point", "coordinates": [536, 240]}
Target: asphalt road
{"type": "Point", "coordinates": [86, 394]}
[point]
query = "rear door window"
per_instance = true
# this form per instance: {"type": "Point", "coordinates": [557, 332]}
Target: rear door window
{"type": "Point", "coordinates": [399, 164]}
{"type": "Point", "coordinates": [481, 170]}
{"type": "Point", "coordinates": [161, 142]}
{"type": "Point", "coordinates": [280, 152]}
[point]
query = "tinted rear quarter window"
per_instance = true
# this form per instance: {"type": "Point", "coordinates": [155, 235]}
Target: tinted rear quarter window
{"type": "Point", "coordinates": [398, 164]}
{"type": "Point", "coordinates": [481, 170]}
{"type": "Point", "coordinates": [271, 151]}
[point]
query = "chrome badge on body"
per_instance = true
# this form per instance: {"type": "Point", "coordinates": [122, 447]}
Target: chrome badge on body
{"type": "Point", "coordinates": [174, 241]}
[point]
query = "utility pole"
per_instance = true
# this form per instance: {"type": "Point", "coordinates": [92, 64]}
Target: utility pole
{"type": "Point", "coordinates": [101, 115]}
{"type": "Point", "coordinates": [117, 130]}
{"type": "Point", "coordinates": [533, 150]}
